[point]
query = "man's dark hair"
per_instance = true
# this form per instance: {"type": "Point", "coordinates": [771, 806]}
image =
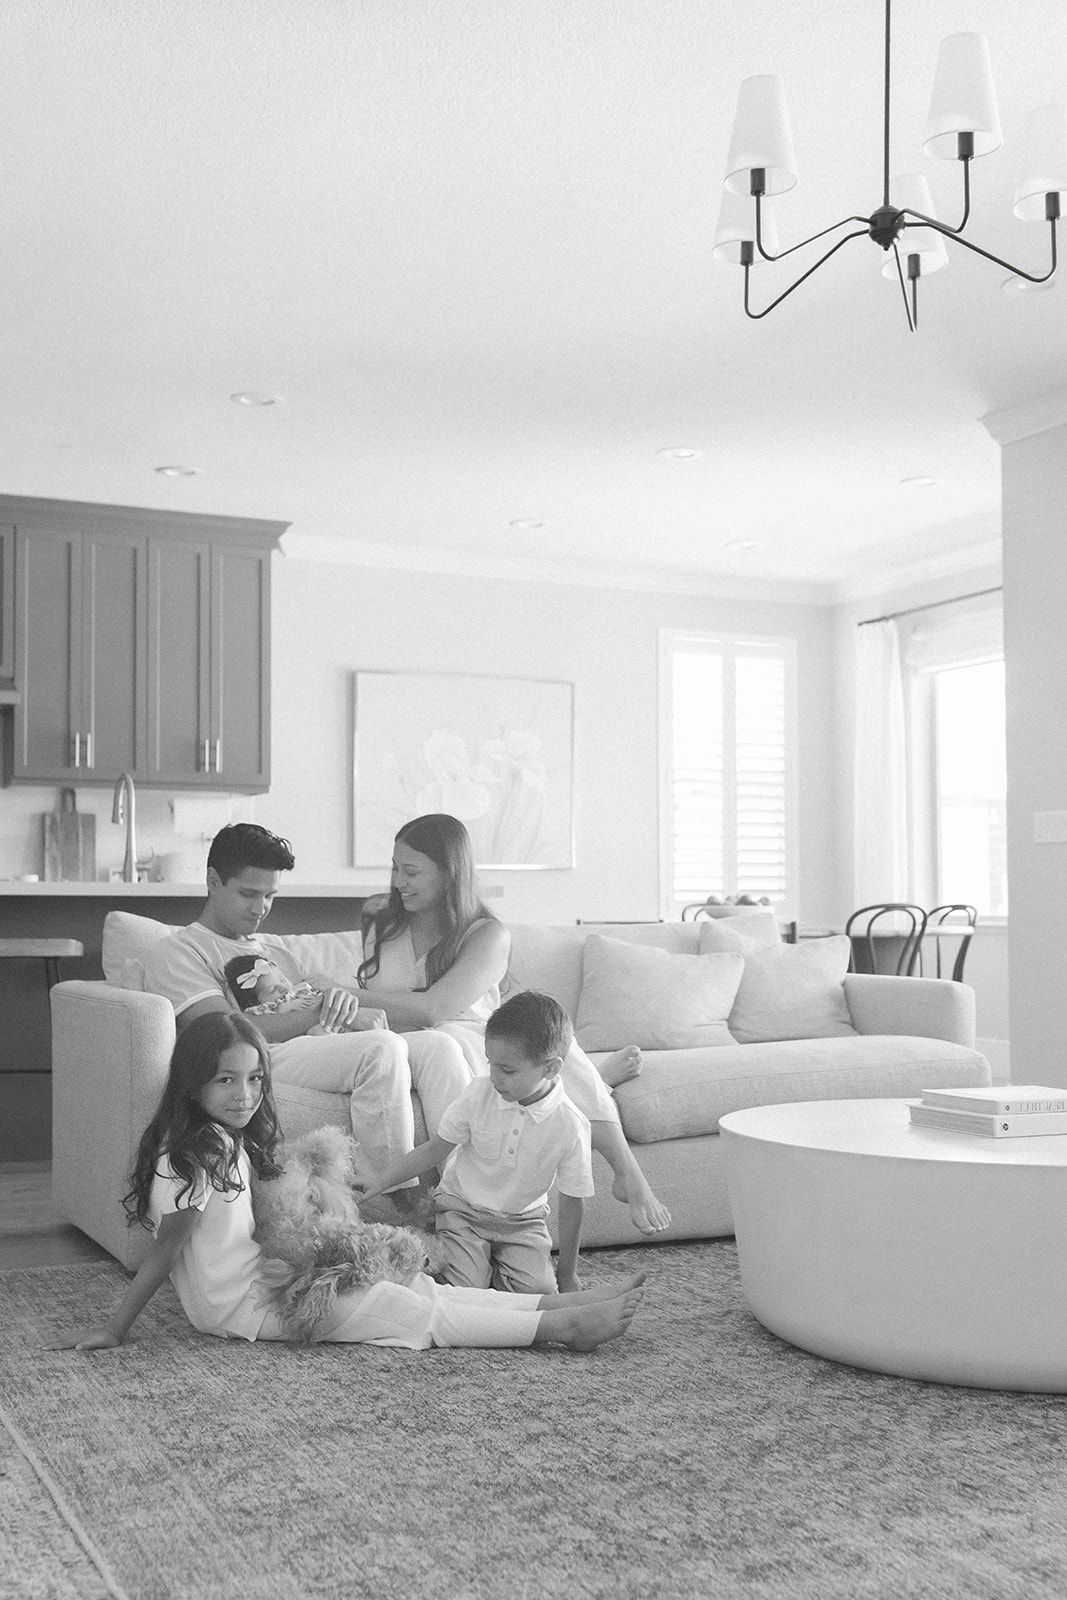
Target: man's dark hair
{"type": "Point", "coordinates": [246, 844]}
{"type": "Point", "coordinates": [535, 1022]}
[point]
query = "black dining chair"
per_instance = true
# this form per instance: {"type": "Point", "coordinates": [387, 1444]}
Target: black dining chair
{"type": "Point", "coordinates": [950, 928]}
{"type": "Point", "coordinates": [880, 927]}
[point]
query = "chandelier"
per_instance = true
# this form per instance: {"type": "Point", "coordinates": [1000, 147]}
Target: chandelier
{"type": "Point", "coordinates": [963, 124]}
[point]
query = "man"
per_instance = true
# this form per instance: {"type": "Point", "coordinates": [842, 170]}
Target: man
{"type": "Point", "coordinates": [374, 1067]}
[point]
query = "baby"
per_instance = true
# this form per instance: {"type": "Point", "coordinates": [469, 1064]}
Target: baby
{"type": "Point", "coordinates": [259, 987]}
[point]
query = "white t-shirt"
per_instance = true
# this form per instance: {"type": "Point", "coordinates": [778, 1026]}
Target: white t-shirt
{"type": "Point", "coordinates": [508, 1156]}
{"type": "Point", "coordinates": [190, 965]}
{"type": "Point", "coordinates": [217, 1276]}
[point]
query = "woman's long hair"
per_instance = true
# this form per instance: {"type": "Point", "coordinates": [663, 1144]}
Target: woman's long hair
{"type": "Point", "coordinates": [181, 1129]}
{"type": "Point", "coordinates": [447, 843]}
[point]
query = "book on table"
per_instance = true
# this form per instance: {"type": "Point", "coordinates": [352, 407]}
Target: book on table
{"type": "Point", "coordinates": [1001, 1100]}
{"type": "Point", "coordinates": [988, 1124]}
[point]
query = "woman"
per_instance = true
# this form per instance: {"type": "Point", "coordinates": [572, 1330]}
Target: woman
{"type": "Point", "coordinates": [435, 957]}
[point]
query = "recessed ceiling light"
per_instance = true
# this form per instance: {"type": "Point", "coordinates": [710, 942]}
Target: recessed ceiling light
{"type": "Point", "coordinates": [250, 397]}
{"type": "Point", "coordinates": [525, 522]}
{"type": "Point", "coordinates": [180, 472]}
{"type": "Point", "coordinates": [680, 452]}
{"type": "Point", "coordinates": [919, 483]}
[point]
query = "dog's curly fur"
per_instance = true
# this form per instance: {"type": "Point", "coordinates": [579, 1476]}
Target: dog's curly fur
{"type": "Point", "coordinates": [308, 1222]}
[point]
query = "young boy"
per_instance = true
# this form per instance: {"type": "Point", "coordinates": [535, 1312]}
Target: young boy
{"type": "Point", "coordinates": [501, 1145]}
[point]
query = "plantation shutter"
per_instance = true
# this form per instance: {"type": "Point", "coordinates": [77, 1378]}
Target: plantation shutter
{"type": "Point", "coordinates": [728, 770]}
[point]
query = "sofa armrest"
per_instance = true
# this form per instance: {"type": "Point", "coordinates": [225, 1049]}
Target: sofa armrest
{"type": "Point", "coordinates": [929, 1008]}
{"type": "Point", "coordinates": [111, 1049]}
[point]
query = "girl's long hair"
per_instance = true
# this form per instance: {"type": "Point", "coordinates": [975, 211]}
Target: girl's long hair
{"type": "Point", "coordinates": [181, 1129]}
{"type": "Point", "coordinates": [448, 844]}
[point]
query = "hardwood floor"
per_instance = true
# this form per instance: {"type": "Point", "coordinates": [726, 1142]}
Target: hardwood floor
{"type": "Point", "coordinates": [32, 1233]}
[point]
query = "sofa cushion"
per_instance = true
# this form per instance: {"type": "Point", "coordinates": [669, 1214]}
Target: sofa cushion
{"type": "Point", "coordinates": [681, 1094]}
{"type": "Point", "coordinates": [787, 991]}
{"type": "Point", "coordinates": [129, 941]}
{"type": "Point", "coordinates": [638, 994]}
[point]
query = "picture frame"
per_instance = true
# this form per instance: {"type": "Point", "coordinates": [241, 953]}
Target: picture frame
{"type": "Point", "coordinates": [496, 752]}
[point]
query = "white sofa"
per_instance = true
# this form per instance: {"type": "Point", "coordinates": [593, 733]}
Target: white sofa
{"type": "Point", "coordinates": [889, 1037]}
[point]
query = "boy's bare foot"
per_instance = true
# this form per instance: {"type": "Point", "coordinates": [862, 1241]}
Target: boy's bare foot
{"type": "Point", "coordinates": [584, 1327]}
{"type": "Point", "coordinates": [588, 1297]}
{"type": "Point", "coordinates": [646, 1212]}
{"type": "Point", "coordinates": [568, 1283]}
{"type": "Point", "coordinates": [621, 1067]}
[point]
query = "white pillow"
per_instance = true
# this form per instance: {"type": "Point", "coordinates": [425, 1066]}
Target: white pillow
{"type": "Point", "coordinates": [637, 994]}
{"type": "Point", "coordinates": [787, 991]}
{"type": "Point", "coordinates": [129, 941]}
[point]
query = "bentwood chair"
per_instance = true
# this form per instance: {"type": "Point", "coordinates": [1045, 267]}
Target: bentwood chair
{"type": "Point", "coordinates": [950, 929]}
{"type": "Point", "coordinates": [895, 929]}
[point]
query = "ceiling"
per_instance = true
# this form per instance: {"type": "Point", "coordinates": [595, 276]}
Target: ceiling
{"type": "Point", "coordinates": [466, 244]}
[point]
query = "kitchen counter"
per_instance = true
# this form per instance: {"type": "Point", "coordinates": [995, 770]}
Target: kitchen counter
{"type": "Point", "coordinates": [15, 888]}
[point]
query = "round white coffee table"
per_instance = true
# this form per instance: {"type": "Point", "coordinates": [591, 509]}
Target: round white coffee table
{"type": "Point", "coordinates": [907, 1250]}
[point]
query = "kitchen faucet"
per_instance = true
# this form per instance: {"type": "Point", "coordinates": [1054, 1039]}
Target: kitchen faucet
{"type": "Point", "coordinates": [124, 809]}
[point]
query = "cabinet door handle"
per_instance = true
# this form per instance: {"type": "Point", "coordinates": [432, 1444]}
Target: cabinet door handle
{"type": "Point", "coordinates": [218, 755]}
{"type": "Point", "coordinates": [207, 755]}
{"type": "Point", "coordinates": [77, 750]}
{"type": "Point", "coordinates": [89, 750]}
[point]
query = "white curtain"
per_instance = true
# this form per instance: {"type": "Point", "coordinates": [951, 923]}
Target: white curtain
{"type": "Point", "coordinates": [881, 779]}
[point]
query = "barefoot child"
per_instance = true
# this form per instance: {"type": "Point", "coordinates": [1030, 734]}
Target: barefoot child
{"type": "Point", "coordinates": [190, 1189]}
{"type": "Point", "coordinates": [500, 1148]}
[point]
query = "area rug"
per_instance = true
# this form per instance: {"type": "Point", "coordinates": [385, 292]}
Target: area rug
{"type": "Point", "coordinates": [697, 1457]}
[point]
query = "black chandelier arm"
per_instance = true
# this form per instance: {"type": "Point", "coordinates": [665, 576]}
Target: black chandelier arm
{"type": "Point", "coordinates": [912, 311]}
{"type": "Point", "coordinates": [766, 254]}
{"type": "Point", "coordinates": [950, 233]}
{"type": "Point", "coordinates": [756, 315]}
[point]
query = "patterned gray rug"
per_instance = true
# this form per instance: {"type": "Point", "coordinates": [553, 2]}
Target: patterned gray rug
{"type": "Point", "coordinates": [698, 1457]}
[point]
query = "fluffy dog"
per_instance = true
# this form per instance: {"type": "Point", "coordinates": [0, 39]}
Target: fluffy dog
{"type": "Point", "coordinates": [308, 1224]}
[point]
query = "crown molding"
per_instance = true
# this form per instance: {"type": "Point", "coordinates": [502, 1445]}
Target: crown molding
{"type": "Point", "coordinates": [973, 557]}
{"type": "Point", "coordinates": [1032, 416]}
{"type": "Point", "coordinates": [643, 580]}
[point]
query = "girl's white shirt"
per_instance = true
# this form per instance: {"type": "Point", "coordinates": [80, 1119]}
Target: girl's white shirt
{"type": "Point", "coordinates": [218, 1276]}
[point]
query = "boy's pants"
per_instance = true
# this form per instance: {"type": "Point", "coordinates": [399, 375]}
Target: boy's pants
{"type": "Point", "coordinates": [491, 1250]}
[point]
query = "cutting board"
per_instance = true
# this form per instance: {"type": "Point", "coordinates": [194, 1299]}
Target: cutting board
{"type": "Point", "coordinates": [69, 843]}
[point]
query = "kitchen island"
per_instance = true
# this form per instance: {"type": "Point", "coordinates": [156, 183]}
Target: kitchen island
{"type": "Point", "coordinates": [77, 911]}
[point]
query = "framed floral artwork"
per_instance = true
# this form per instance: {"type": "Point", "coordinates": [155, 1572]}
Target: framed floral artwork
{"type": "Point", "coordinates": [498, 753]}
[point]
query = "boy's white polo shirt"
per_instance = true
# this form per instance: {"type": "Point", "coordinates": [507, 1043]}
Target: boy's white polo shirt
{"type": "Point", "coordinates": [508, 1156]}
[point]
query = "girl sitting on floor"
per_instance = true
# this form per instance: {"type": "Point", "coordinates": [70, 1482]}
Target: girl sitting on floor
{"type": "Point", "coordinates": [190, 1188]}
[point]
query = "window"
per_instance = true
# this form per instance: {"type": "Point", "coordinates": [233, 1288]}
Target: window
{"type": "Point", "coordinates": [959, 844]}
{"type": "Point", "coordinates": [728, 767]}
{"type": "Point", "coordinates": [972, 851]}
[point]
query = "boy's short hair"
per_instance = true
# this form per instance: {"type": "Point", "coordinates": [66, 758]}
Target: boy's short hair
{"type": "Point", "coordinates": [246, 844]}
{"type": "Point", "coordinates": [536, 1022]}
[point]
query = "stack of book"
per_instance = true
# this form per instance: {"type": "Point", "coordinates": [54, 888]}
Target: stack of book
{"type": "Point", "coordinates": [1010, 1111]}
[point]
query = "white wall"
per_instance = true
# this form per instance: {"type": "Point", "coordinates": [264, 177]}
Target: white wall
{"type": "Point", "coordinates": [1034, 477]}
{"type": "Point", "coordinates": [332, 619]}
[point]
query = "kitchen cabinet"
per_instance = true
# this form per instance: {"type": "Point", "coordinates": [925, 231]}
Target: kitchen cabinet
{"type": "Point", "coordinates": [209, 672]}
{"type": "Point", "coordinates": [142, 645]}
{"type": "Point", "coordinates": [7, 604]}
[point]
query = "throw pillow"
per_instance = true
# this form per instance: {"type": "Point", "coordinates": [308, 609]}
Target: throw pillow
{"type": "Point", "coordinates": [637, 994]}
{"type": "Point", "coordinates": [787, 991]}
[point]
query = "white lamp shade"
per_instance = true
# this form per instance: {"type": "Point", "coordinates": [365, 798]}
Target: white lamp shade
{"type": "Point", "coordinates": [761, 138]}
{"type": "Point", "coordinates": [1045, 168]}
{"type": "Point", "coordinates": [737, 222]}
{"type": "Point", "coordinates": [963, 99]}
{"type": "Point", "coordinates": [911, 191]}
